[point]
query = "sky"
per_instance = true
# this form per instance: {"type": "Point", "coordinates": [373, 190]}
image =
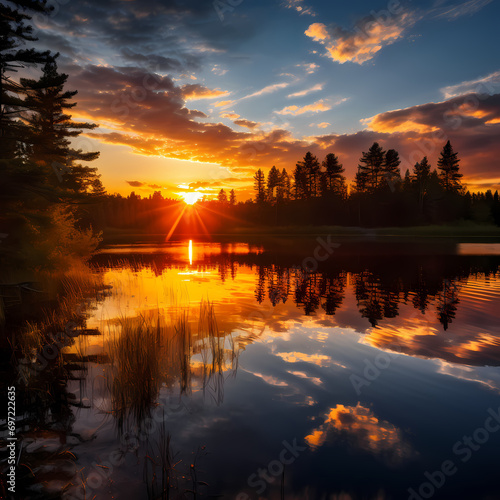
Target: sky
{"type": "Point", "coordinates": [196, 95]}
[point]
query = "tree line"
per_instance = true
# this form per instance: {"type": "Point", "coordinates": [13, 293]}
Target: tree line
{"type": "Point", "coordinates": [317, 192]}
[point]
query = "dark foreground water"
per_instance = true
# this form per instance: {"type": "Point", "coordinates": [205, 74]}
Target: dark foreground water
{"type": "Point", "coordinates": [322, 370]}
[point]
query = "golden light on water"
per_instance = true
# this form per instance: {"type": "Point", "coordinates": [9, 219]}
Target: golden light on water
{"type": "Point", "coordinates": [190, 251]}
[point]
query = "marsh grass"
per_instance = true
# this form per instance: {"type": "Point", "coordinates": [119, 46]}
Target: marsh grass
{"type": "Point", "coordinates": [166, 348]}
{"type": "Point", "coordinates": [67, 300]}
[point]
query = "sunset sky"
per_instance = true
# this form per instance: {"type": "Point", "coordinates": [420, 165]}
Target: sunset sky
{"type": "Point", "coordinates": [196, 95]}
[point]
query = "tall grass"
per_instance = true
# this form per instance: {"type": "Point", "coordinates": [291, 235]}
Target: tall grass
{"type": "Point", "coordinates": [168, 348]}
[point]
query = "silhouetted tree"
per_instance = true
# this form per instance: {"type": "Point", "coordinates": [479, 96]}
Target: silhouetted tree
{"type": "Point", "coordinates": [371, 168]}
{"type": "Point", "coordinates": [333, 180]}
{"type": "Point", "coordinates": [310, 171]}
{"type": "Point", "coordinates": [448, 164]}
{"type": "Point", "coordinates": [300, 181]}
{"type": "Point", "coordinates": [260, 186]}
{"type": "Point", "coordinates": [421, 174]}
{"type": "Point", "coordinates": [284, 187]}
{"type": "Point", "coordinates": [390, 168]}
{"type": "Point", "coordinates": [51, 130]}
{"type": "Point", "coordinates": [14, 33]}
{"type": "Point", "coordinates": [273, 181]}
{"type": "Point", "coordinates": [222, 197]}
{"type": "Point", "coordinates": [232, 197]}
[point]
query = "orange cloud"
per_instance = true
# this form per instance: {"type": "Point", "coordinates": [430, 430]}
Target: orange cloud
{"type": "Point", "coordinates": [361, 44]}
{"type": "Point", "coordinates": [295, 357]}
{"type": "Point", "coordinates": [316, 107]}
{"type": "Point", "coordinates": [365, 430]}
{"type": "Point", "coordinates": [148, 114]}
{"type": "Point", "coordinates": [191, 92]}
{"type": "Point", "coordinates": [230, 116]}
{"type": "Point", "coordinates": [302, 93]}
{"type": "Point", "coordinates": [219, 104]}
{"type": "Point", "coordinates": [317, 31]}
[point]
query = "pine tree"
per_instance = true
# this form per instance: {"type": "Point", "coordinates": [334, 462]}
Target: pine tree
{"type": "Point", "coordinates": [222, 197]}
{"type": "Point", "coordinates": [260, 186]}
{"type": "Point", "coordinates": [51, 130]}
{"type": "Point", "coordinates": [421, 174]}
{"type": "Point", "coordinates": [371, 168]}
{"type": "Point", "coordinates": [232, 197]}
{"type": "Point", "coordinates": [300, 181]}
{"type": "Point", "coordinates": [273, 180]}
{"type": "Point", "coordinates": [284, 186]}
{"type": "Point", "coordinates": [310, 174]}
{"type": "Point", "coordinates": [334, 181]}
{"type": "Point", "coordinates": [448, 163]}
{"type": "Point", "coordinates": [390, 168]}
{"type": "Point", "coordinates": [14, 33]}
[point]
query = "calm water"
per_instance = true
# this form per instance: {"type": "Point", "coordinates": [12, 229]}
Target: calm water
{"type": "Point", "coordinates": [354, 375]}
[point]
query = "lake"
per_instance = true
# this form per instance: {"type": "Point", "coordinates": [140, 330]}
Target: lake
{"type": "Point", "coordinates": [281, 368]}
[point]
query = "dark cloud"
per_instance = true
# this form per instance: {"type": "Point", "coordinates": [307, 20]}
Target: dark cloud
{"type": "Point", "coordinates": [246, 123]}
{"type": "Point", "coordinates": [135, 183]}
{"type": "Point", "coordinates": [158, 63]}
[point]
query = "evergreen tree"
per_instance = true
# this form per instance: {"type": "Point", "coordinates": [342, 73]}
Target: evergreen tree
{"type": "Point", "coordinates": [260, 186]}
{"type": "Point", "coordinates": [14, 33]}
{"type": "Point", "coordinates": [421, 174]}
{"type": "Point", "coordinates": [51, 130]}
{"type": "Point", "coordinates": [448, 163]}
{"type": "Point", "coordinates": [232, 197]}
{"type": "Point", "coordinates": [334, 181]}
{"type": "Point", "coordinates": [284, 186]}
{"type": "Point", "coordinates": [391, 170]}
{"type": "Point", "coordinates": [310, 174]}
{"type": "Point", "coordinates": [222, 197]}
{"type": "Point", "coordinates": [273, 180]}
{"type": "Point", "coordinates": [371, 168]}
{"type": "Point", "coordinates": [300, 181]}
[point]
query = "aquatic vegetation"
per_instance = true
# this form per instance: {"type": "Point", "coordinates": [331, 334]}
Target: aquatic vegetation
{"type": "Point", "coordinates": [158, 349]}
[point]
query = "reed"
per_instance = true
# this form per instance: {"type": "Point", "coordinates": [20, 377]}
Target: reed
{"type": "Point", "coordinates": [166, 348]}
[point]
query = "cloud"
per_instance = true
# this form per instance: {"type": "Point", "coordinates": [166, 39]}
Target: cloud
{"type": "Point", "coordinates": [321, 125]}
{"type": "Point", "coordinates": [159, 63]}
{"type": "Point", "coordinates": [154, 186]}
{"type": "Point", "coordinates": [362, 43]}
{"type": "Point", "coordinates": [489, 84]}
{"type": "Point", "coordinates": [230, 116]}
{"type": "Point", "coordinates": [315, 107]}
{"type": "Point", "coordinates": [468, 8]}
{"type": "Point", "coordinates": [302, 93]}
{"type": "Point", "coordinates": [193, 91]}
{"type": "Point", "coordinates": [298, 5]}
{"type": "Point", "coordinates": [267, 90]}
{"type": "Point", "coordinates": [217, 70]}
{"type": "Point", "coordinates": [246, 123]}
{"type": "Point", "coordinates": [317, 31]}
{"type": "Point", "coordinates": [220, 104]}
{"type": "Point", "coordinates": [148, 114]}
{"type": "Point", "coordinates": [364, 430]}
{"type": "Point", "coordinates": [135, 183]}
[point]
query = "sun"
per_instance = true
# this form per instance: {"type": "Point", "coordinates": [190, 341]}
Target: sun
{"type": "Point", "coordinates": [191, 198]}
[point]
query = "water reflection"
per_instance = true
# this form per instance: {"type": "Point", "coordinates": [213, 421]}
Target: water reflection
{"type": "Point", "coordinates": [231, 348]}
{"type": "Point", "coordinates": [439, 305]}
